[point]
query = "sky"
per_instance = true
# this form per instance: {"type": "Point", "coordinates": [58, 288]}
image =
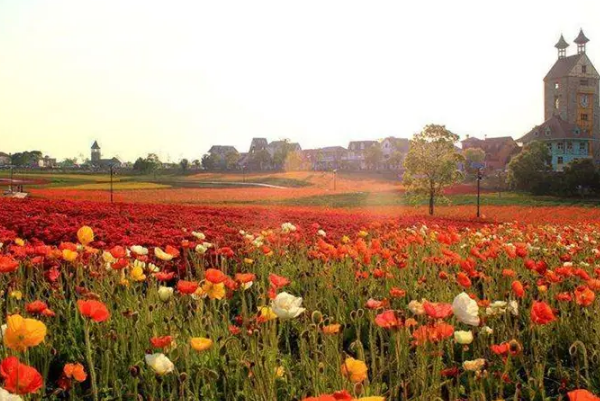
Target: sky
{"type": "Point", "coordinates": [176, 77]}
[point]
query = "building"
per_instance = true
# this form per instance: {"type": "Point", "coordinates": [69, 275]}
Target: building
{"type": "Point", "coordinates": [571, 128]}
{"type": "Point", "coordinates": [355, 157]}
{"type": "Point", "coordinates": [278, 146]}
{"type": "Point", "coordinates": [221, 153]}
{"type": "Point", "coordinates": [328, 158]}
{"type": "Point", "coordinates": [498, 151]}
{"type": "Point", "coordinates": [97, 161]}
{"type": "Point", "coordinates": [4, 159]}
{"type": "Point", "coordinates": [47, 162]}
{"type": "Point", "coordinates": [394, 150]}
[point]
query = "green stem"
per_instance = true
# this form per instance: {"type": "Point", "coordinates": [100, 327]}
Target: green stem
{"type": "Point", "coordinates": [90, 360]}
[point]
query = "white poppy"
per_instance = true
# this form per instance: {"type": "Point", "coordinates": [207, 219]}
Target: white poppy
{"type": "Point", "coordinates": [465, 309]}
{"type": "Point", "coordinates": [287, 306]}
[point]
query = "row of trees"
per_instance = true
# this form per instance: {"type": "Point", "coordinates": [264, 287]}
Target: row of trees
{"type": "Point", "coordinates": [531, 171]}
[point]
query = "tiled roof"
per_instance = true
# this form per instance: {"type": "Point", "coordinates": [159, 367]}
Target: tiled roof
{"type": "Point", "coordinates": [222, 149]}
{"type": "Point", "coordinates": [581, 39]}
{"type": "Point", "coordinates": [562, 43]}
{"type": "Point", "coordinates": [95, 145]}
{"type": "Point", "coordinates": [553, 128]}
{"type": "Point", "coordinates": [562, 67]}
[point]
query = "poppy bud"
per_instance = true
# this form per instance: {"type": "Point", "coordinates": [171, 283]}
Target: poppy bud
{"type": "Point", "coordinates": [358, 389]}
{"type": "Point", "coordinates": [134, 371]}
{"type": "Point", "coordinates": [183, 377]}
{"type": "Point", "coordinates": [317, 317]}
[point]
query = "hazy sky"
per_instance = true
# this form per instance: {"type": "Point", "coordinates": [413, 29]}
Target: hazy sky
{"type": "Point", "coordinates": [175, 77]}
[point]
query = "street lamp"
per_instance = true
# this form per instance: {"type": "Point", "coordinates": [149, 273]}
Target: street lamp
{"type": "Point", "coordinates": [334, 176]}
{"type": "Point", "coordinates": [243, 173]}
{"type": "Point", "coordinates": [111, 183]}
{"type": "Point", "coordinates": [479, 177]}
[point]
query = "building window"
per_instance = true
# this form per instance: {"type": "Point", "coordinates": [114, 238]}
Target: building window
{"type": "Point", "coordinates": [549, 145]}
{"type": "Point", "coordinates": [569, 146]}
{"type": "Point", "coordinates": [559, 160]}
{"type": "Point", "coordinates": [584, 117]}
{"type": "Point", "coordinates": [536, 134]}
{"type": "Point", "coordinates": [556, 102]}
{"type": "Point", "coordinates": [584, 69]}
{"type": "Point", "coordinates": [582, 146]}
{"type": "Point", "coordinates": [584, 82]}
{"type": "Point", "coordinates": [556, 85]}
{"type": "Point", "coordinates": [548, 132]}
{"type": "Point", "coordinates": [560, 146]}
{"type": "Point", "coordinates": [576, 131]}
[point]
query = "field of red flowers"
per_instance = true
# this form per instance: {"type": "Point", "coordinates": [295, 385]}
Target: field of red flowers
{"type": "Point", "coordinates": [164, 302]}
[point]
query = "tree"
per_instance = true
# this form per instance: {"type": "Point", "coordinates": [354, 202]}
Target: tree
{"type": "Point", "coordinates": [68, 162]}
{"type": "Point", "coordinates": [148, 165]}
{"type": "Point", "coordinates": [231, 160]}
{"type": "Point", "coordinates": [209, 161]}
{"type": "Point", "coordinates": [26, 159]}
{"type": "Point", "coordinates": [262, 158]}
{"type": "Point", "coordinates": [581, 177]}
{"type": "Point", "coordinates": [396, 159]}
{"type": "Point", "coordinates": [432, 162]}
{"type": "Point", "coordinates": [529, 170]}
{"type": "Point", "coordinates": [196, 163]}
{"type": "Point", "coordinates": [281, 153]}
{"type": "Point", "coordinates": [473, 155]}
{"type": "Point", "coordinates": [184, 163]}
{"type": "Point", "coordinates": [293, 162]}
{"type": "Point", "coordinates": [373, 156]}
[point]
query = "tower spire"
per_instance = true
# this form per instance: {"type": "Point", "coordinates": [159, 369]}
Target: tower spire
{"type": "Point", "coordinates": [562, 45]}
{"type": "Point", "coordinates": [581, 40]}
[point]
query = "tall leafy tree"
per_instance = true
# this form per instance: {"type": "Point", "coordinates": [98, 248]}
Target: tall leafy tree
{"type": "Point", "coordinates": [581, 177]}
{"type": "Point", "coordinates": [432, 162]}
{"type": "Point", "coordinates": [529, 170]}
{"type": "Point", "coordinates": [373, 156]}
{"type": "Point", "coordinates": [473, 155]}
{"type": "Point", "coordinates": [231, 160]}
{"type": "Point", "coordinates": [185, 164]}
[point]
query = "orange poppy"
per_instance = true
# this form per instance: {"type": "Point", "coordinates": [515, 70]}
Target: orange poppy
{"type": "Point", "coordinates": [582, 395]}
{"type": "Point", "coordinates": [75, 371]}
{"type": "Point", "coordinates": [387, 320]}
{"type": "Point", "coordinates": [187, 287]}
{"type": "Point", "coordinates": [161, 342]}
{"type": "Point", "coordinates": [584, 296]}
{"type": "Point", "coordinates": [518, 289]}
{"type": "Point", "coordinates": [215, 276]}
{"type": "Point", "coordinates": [93, 309]}
{"type": "Point", "coordinates": [8, 264]}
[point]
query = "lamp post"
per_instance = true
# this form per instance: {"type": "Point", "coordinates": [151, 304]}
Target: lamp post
{"type": "Point", "coordinates": [334, 177]}
{"type": "Point", "coordinates": [111, 183]}
{"type": "Point", "coordinates": [479, 177]}
{"type": "Point", "coordinates": [243, 173]}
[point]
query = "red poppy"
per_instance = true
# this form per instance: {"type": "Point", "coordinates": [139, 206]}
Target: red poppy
{"type": "Point", "coordinates": [387, 320]}
{"type": "Point", "coordinates": [245, 277]}
{"type": "Point", "coordinates": [397, 292]}
{"type": "Point", "coordinates": [463, 280]}
{"type": "Point", "coordinates": [278, 281]}
{"type": "Point", "coordinates": [518, 289]}
{"type": "Point", "coordinates": [163, 276]}
{"type": "Point", "coordinates": [172, 251]}
{"type": "Point", "coordinates": [438, 310]}
{"type": "Point", "coordinates": [564, 297]}
{"type": "Point", "coordinates": [118, 252]}
{"type": "Point", "coordinates": [36, 307]}
{"type": "Point", "coordinates": [541, 313]}
{"type": "Point", "coordinates": [343, 395]}
{"type": "Point", "coordinates": [161, 342]}
{"type": "Point", "coordinates": [582, 395]}
{"type": "Point", "coordinates": [93, 309]}
{"type": "Point", "coordinates": [8, 264]}
{"type": "Point", "coordinates": [584, 296]}
{"type": "Point", "coordinates": [20, 378]}
{"type": "Point", "coordinates": [121, 263]}
{"type": "Point", "coordinates": [215, 276]}
{"type": "Point", "coordinates": [187, 287]}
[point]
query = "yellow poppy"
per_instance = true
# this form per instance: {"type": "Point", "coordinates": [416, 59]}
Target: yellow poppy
{"type": "Point", "coordinates": [266, 313]}
{"type": "Point", "coordinates": [19, 242]}
{"type": "Point", "coordinates": [137, 274]}
{"type": "Point", "coordinates": [23, 333]}
{"type": "Point", "coordinates": [201, 343]}
{"type": "Point", "coordinates": [69, 255]}
{"type": "Point", "coordinates": [85, 235]}
{"type": "Point", "coordinates": [18, 295]}
{"type": "Point", "coordinates": [214, 291]}
{"type": "Point", "coordinates": [355, 370]}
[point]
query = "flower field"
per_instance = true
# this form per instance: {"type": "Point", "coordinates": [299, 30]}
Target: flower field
{"type": "Point", "coordinates": [172, 302]}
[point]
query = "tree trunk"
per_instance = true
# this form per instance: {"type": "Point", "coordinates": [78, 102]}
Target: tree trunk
{"type": "Point", "coordinates": [431, 204]}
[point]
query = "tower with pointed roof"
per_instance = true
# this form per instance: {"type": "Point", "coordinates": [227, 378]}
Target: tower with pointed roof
{"type": "Point", "coordinates": [571, 107]}
{"type": "Point", "coordinates": [96, 155]}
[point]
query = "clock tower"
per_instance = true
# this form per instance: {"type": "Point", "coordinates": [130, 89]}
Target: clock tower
{"type": "Point", "coordinates": [571, 92]}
